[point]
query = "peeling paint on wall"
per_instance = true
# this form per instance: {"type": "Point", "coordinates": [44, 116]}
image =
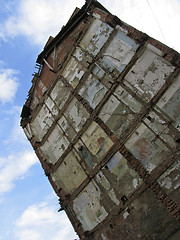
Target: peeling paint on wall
{"type": "Point", "coordinates": [60, 93]}
{"type": "Point", "coordinates": [96, 36]}
{"type": "Point", "coordinates": [119, 52]}
{"type": "Point", "coordinates": [169, 103]}
{"type": "Point", "coordinates": [149, 74]}
{"type": "Point", "coordinates": [42, 123]}
{"type": "Point", "coordinates": [117, 116]}
{"type": "Point", "coordinates": [93, 90]}
{"type": "Point", "coordinates": [73, 72]}
{"type": "Point", "coordinates": [55, 145]}
{"type": "Point", "coordinates": [76, 114]}
{"type": "Point", "coordinates": [88, 208]}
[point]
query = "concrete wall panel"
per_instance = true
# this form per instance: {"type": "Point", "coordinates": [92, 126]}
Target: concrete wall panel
{"type": "Point", "coordinates": [88, 208]}
{"type": "Point", "coordinates": [55, 145]}
{"type": "Point", "coordinates": [149, 74]}
{"type": "Point", "coordinates": [70, 173]}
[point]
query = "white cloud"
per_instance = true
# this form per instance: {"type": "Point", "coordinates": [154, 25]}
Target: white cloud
{"type": "Point", "coordinates": [16, 131]}
{"type": "Point", "coordinates": [9, 84]}
{"type": "Point", "coordinates": [42, 221]}
{"type": "Point", "coordinates": [39, 19]}
{"type": "Point", "coordinates": [14, 167]}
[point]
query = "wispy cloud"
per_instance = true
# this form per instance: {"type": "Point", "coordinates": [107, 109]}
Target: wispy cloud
{"type": "Point", "coordinates": [14, 167]}
{"type": "Point", "coordinates": [8, 84]}
{"type": "Point", "coordinates": [38, 19]}
{"type": "Point", "coordinates": [41, 221]}
{"type": "Point", "coordinates": [16, 133]}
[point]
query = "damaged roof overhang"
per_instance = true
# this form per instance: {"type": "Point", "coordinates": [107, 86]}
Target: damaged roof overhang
{"type": "Point", "coordinates": [71, 24]}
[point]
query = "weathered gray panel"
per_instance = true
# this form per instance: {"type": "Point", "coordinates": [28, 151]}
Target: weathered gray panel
{"type": "Point", "coordinates": [73, 72]}
{"type": "Point", "coordinates": [170, 103]}
{"type": "Point", "coordinates": [76, 114]}
{"type": "Point", "coordinates": [147, 147]}
{"type": "Point", "coordinates": [69, 174]}
{"type": "Point", "coordinates": [127, 180]}
{"type": "Point", "coordinates": [60, 93]}
{"type": "Point", "coordinates": [55, 145]}
{"type": "Point", "coordinates": [170, 181]}
{"type": "Point", "coordinates": [42, 123]}
{"type": "Point", "coordinates": [96, 36]}
{"type": "Point", "coordinates": [88, 208]}
{"type": "Point", "coordinates": [93, 91]}
{"type": "Point", "coordinates": [118, 116]}
{"type": "Point", "coordinates": [119, 52]}
{"type": "Point", "coordinates": [149, 73]}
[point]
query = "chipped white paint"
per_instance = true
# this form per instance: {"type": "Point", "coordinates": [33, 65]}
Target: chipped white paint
{"type": "Point", "coordinates": [76, 114]}
{"type": "Point", "coordinates": [109, 108]}
{"type": "Point", "coordinates": [169, 103]}
{"type": "Point", "coordinates": [119, 52]}
{"type": "Point", "coordinates": [42, 123]}
{"type": "Point", "coordinates": [155, 50]}
{"type": "Point", "coordinates": [121, 29]}
{"type": "Point", "coordinates": [93, 91]}
{"type": "Point", "coordinates": [51, 106]}
{"type": "Point", "coordinates": [170, 179]}
{"type": "Point", "coordinates": [60, 94]}
{"type": "Point", "coordinates": [98, 71]}
{"type": "Point", "coordinates": [169, 93]}
{"type": "Point", "coordinates": [150, 166]}
{"type": "Point", "coordinates": [160, 127]}
{"type": "Point", "coordinates": [63, 123]}
{"type": "Point", "coordinates": [78, 53]}
{"type": "Point", "coordinates": [67, 128]}
{"type": "Point", "coordinates": [88, 208]}
{"type": "Point", "coordinates": [148, 75]}
{"type": "Point", "coordinates": [55, 145]}
{"type": "Point", "coordinates": [96, 15]}
{"type": "Point", "coordinates": [73, 72]}
{"type": "Point", "coordinates": [83, 57]}
{"type": "Point", "coordinates": [117, 115]}
{"type": "Point", "coordinates": [96, 36]}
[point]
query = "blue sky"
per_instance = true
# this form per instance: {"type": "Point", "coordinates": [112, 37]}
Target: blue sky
{"type": "Point", "coordinates": [28, 205]}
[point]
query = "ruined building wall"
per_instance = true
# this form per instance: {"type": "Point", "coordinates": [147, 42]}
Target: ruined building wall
{"type": "Point", "coordinates": [105, 125]}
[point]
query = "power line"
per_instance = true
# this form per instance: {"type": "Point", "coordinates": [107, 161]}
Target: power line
{"type": "Point", "coordinates": [156, 20]}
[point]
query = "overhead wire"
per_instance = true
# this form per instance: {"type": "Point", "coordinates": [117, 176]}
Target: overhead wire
{"type": "Point", "coordinates": [154, 15]}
